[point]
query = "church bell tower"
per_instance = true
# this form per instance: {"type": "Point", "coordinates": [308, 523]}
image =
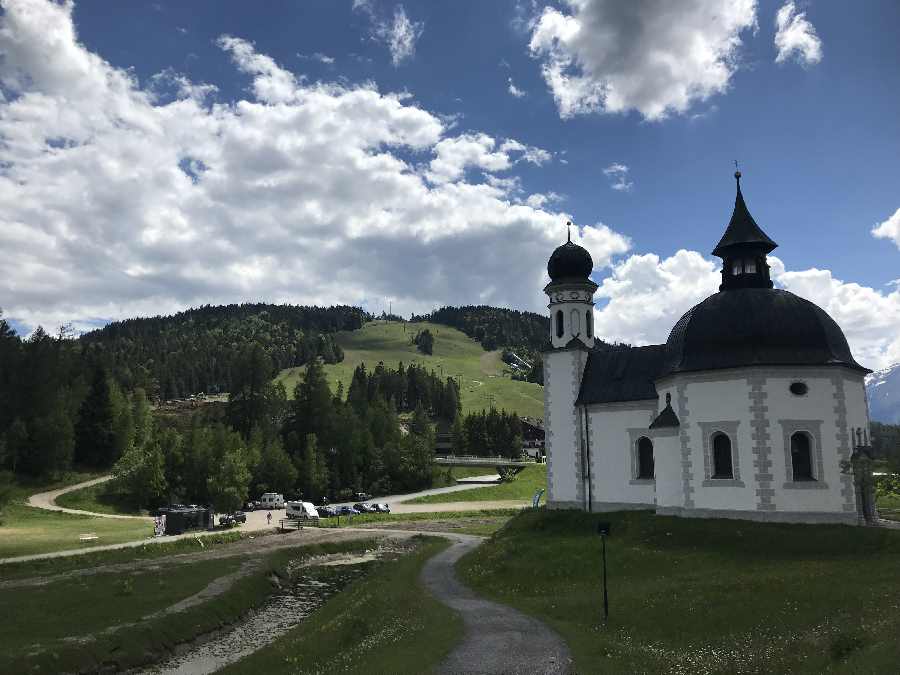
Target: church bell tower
{"type": "Point", "coordinates": [571, 294]}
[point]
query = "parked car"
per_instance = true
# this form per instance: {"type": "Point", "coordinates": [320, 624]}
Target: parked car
{"type": "Point", "coordinates": [364, 508]}
{"type": "Point", "coordinates": [382, 508]}
{"type": "Point", "coordinates": [326, 511]}
{"type": "Point", "coordinates": [226, 520]}
{"type": "Point", "coordinates": [362, 496]}
{"type": "Point", "coordinates": [239, 517]}
{"type": "Point", "coordinates": [348, 511]}
{"type": "Point", "coordinates": [301, 511]}
{"type": "Point", "coordinates": [251, 506]}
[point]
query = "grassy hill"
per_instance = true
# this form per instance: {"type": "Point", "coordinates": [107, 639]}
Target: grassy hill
{"type": "Point", "coordinates": [482, 375]}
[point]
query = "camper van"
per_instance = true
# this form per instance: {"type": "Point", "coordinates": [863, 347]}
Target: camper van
{"type": "Point", "coordinates": [301, 511]}
{"type": "Point", "coordinates": [271, 500]}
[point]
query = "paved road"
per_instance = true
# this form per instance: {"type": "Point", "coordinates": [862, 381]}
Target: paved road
{"type": "Point", "coordinates": [498, 639]}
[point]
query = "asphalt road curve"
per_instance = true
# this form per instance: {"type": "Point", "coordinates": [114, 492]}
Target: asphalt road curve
{"type": "Point", "coordinates": [498, 639]}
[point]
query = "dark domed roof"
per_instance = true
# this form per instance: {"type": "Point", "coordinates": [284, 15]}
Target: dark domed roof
{"type": "Point", "coordinates": [570, 261]}
{"type": "Point", "coordinates": [755, 326]}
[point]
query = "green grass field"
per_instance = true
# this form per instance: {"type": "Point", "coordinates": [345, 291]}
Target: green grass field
{"type": "Point", "coordinates": [481, 373]}
{"type": "Point", "coordinates": [84, 624]}
{"type": "Point", "coordinates": [101, 498]}
{"type": "Point", "coordinates": [383, 623]}
{"type": "Point", "coordinates": [701, 596]}
{"type": "Point", "coordinates": [522, 488]}
{"type": "Point", "coordinates": [81, 606]}
{"type": "Point", "coordinates": [25, 530]}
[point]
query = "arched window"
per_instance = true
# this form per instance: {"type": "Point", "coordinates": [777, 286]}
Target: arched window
{"type": "Point", "coordinates": [588, 323]}
{"type": "Point", "coordinates": [736, 268]}
{"type": "Point", "coordinates": [750, 266]}
{"type": "Point", "coordinates": [722, 466]}
{"type": "Point", "coordinates": [559, 323]}
{"type": "Point", "coordinates": [576, 321]}
{"type": "Point", "coordinates": [801, 457]}
{"type": "Point", "coordinates": [645, 458]}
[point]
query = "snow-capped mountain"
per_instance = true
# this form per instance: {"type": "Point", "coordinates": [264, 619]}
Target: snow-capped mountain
{"type": "Point", "coordinates": [883, 388]}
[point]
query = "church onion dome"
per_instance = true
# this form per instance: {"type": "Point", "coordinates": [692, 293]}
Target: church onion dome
{"type": "Point", "coordinates": [756, 327]}
{"type": "Point", "coordinates": [570, 262]}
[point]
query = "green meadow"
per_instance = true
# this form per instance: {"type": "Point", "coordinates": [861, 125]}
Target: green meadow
{"type": "Point", "coordinates": [484, 378]}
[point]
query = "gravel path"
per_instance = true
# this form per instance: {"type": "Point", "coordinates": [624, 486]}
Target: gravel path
{"type": "Point", "coordinates": [498, 639]}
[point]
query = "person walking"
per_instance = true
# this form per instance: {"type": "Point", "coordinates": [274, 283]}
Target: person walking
{"type": "Point", "coordinates": [269, 518]}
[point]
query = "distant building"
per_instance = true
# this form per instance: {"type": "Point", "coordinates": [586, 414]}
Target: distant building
{"type": "Point", "coordinates": [750, 410]}
{"type": "Point", "coordinates": [533, 437]}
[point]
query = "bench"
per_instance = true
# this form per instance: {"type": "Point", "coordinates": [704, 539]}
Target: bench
{"type": "Point", "coordinates": [90, 536]}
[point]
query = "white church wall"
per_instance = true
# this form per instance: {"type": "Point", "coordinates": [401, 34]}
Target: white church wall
{"type": "Point", "coordinates": [562, 376]}
{"type": "Point", "coordinates": [667, 456]}
{"type": "Point", "coordinates": [718, 403]}
{"type": "Point", "coordinates": [614, 431]}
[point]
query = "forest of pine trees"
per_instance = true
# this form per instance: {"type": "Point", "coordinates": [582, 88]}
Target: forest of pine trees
{"type": "Point", "coordinates": [195, 350]}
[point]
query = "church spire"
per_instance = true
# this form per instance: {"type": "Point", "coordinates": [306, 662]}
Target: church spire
{"type": "Point", "coordinates": [743, 248]}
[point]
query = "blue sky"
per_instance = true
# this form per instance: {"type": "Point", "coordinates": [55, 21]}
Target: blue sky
{"type": "Point", "coordinates": [817, 135]}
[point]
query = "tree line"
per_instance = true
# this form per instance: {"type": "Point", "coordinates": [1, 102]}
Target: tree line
{"type": "Point", "coordinates": [195, 350]}
{"type": "Point", "coordinates": [488, 433]}
{"type": "Point", "coordinates": [318, 444]}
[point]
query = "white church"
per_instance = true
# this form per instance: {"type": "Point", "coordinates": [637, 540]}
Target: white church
{"type": "Point", "coordinates": [754, 408]}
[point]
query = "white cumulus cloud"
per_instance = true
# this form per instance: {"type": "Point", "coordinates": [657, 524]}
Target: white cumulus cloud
{"type": "Point", "coordinates": [795, 37]}
{"type": "Point", "coordinates": [889, 229]}
{"type": "Point", "coordinates": [653, 56]}
{"type": "Point", "coordinates": [125, 199]}
{"type": "Point", "coordinates": [618, 176]}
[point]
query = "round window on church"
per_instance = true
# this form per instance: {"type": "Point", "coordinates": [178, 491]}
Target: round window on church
{"type": "Point", "coordinates": [798, 388]}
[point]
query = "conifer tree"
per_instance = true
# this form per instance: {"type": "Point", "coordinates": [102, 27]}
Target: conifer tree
{"type": "Point", "coordinates": [95, 437]}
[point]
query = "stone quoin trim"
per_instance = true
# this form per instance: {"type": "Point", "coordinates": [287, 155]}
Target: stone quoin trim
{"type": "Point", "coordinates": [578, 439]}
{"type": "Point", "coordinates": [762, 452]}
{"type": "Point", "coordinates": [730, 429]}
{"type": "Point", "coordinates": [813, 429]}
{"type": "Point", "coordinates": [686, 463]}
{"type": "Point", "coordinates": [548, 429]}
{"type": "Point", "coordinates": [848, 492]}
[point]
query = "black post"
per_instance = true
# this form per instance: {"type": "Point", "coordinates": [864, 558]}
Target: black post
{"type": "Point", "coordinates": [603, 531]}
{"type": "Point", "coordinates": [605, 595]}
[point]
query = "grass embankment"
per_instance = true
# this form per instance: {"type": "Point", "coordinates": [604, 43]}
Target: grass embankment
{"type": "Point", "coordinates": [521, 488]}
{"type": "Point", "coordinates": [25, 530]}
{"type": "Point", "coordinates": [377, 519]}
{"type": "Point", "coordinates": [153, 549]}
{"type": "Point", "coordinates": [383, 623]}
{"type": "Point", "coordinates": [442, 476]}
{"type": "Point", "coordinates": [710, 596]}
{"type": "Point", "coordinates": [483, 375]}
{"type": "Point", "coordinates": [75, 641]}
{"type": "Point", "coordinates": [889, 506]}
{"type": "Point", "coordinates": [100, 498]}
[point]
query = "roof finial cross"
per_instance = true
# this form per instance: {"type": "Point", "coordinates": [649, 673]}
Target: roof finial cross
{"type": "Point", "coordinates": [569, 229]}
{"type": "Point", "coordinates": [737, 173]}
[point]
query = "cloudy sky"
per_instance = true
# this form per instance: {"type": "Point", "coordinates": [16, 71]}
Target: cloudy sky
{"type": "Point", "coordinates": [157, 156]}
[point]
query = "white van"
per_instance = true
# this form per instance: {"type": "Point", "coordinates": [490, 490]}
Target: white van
{"type": "Point", "coordinates": [301, 511]}
{"type": "Point", "coordinates": [271, 500]}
